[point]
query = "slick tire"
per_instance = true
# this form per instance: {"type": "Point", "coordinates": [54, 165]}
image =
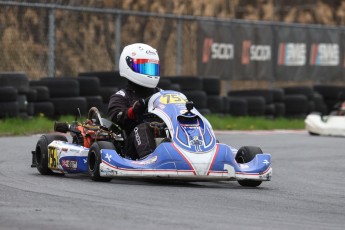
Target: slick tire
{"type": "Point", "coordinates": [41, 152]}
{"type": "Point", "coordinates": [244, 155]}
{"type": "Point", "coordinates": [94, 159]}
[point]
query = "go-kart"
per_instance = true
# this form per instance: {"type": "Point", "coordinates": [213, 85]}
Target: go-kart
{"type": "Point", "coordinates": [330, 125]}
{"type": "Point", "coordinates": [186, 149]}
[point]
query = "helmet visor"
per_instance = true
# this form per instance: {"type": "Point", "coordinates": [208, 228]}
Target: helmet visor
{"type": "Point", "coordinates": [144, 66]}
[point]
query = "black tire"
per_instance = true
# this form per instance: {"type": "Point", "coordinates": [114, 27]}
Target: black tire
{"type": "Point", "coordinates": [190, 83]}
{"type": "Point", "coordinates": [17, 80]}
{"type": "Point", "coordinates": [211, 86]}
{"type": "Point", "coordinates": [59, 87]}
{"type": "Point", "coordinates": [164, 83]}
{"type": "Point", "coordinates": [175, 87]}
{"type": "Point", "coordinates": [303, 90]}
{"type": "Point", "coordinates": [69, 105]}
{"type": "Point", "coordinates": [238, 106]}
{"type": "Point", "coordinates": [89, 86]}
{"type": "Point", "coordinates": [8, 94]}
{"type": "Point", "coordinates": [107, 92]}
{"type": "Point", "coordinates": [204, 111]}
{"type": "Point", "coordinates": [270, 109]}
{"type": "Point", "coordinates": [279, 109]}
{"type": "Point", "coordinates": [44, 108]}
{"type": "Point", "coordinates": [244, 155]}
{"type": "Point", "coordinates": [320, 105]}
{"type": "Point", "coordinates": [313, 134]}
{"type": "Point", "coordinates": [9, 109]}
{"type": "Point", "coordinates": [94, 159]}
{"type": "Point", "coordinates": [256, 105]}
{"type": "Point", "coordinates": [330, 92]}
{"type": "Point", "coordinates": [296, 105]}
{"type": "Point", "coordinates": [107, 78]}
{"type": "Point", "coordinates": [41, 152]}
{"type": "Point", "coordinates": [215, 104]}
{"type": "Point", "coordinates": [22, 103]}
{"type": "Point", "coordinates": [42, 93]}
{"type": "Point", "coordinates": [31, 95]}
{"type": "Point", "coordinates": [278, 95]}
{"type": "Point", "coordinates": [198, 97]}
{"type": "Point", "coordinates": [226, 105]}
{"type": "Point", "coordinates": [94, 101]}
{"type": "Point", "coordinates": [266, 94]}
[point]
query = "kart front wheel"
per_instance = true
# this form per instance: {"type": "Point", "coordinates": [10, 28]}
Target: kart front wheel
{"type": "Point", "coordinates": [244, 155]}
{"type": "Point", "coordinates": [94, 159]}
{"type": "Point", "coordinates": [41, 152]}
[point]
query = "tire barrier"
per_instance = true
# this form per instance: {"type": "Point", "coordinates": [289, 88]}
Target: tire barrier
{"type": "Point", "coordinates": [198, 97]}
{"type": "Point", "coordinates": [106, 93]}
{"type": "Point", "coordinates": [215, 104]}
{"type": "Point", "coordinates": [63, 95]}
{"type": "Point", "coordinates": [17, 80]}
{"type": "Point", "coordinates": [211, 86]}
{"type": "Point", "coordinates": [8, 94]}
{"type": "Point", "coordinates": [9, 109]}
{"type": "Point", "coordinates": [188, 83]}
{"type": "Point", "coordinates": [296, 105]}
{"type": "Point", "coordinates": [107, 78]}
{"type": "Point", "coordinates": [331, 94]}
{"type": "Point", "coordinates": [59, 87]}
{"type": "Point", "coordinates": [89, 86]}
{"type": "Point", "coordinates": [238, 106]}
{"type": "Point", "coordinates": [69, 105]}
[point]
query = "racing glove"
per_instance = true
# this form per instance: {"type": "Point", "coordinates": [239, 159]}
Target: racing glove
{"type": "Point", "coordinates": [137, 110]}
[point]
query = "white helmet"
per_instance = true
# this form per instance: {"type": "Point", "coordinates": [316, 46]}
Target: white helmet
{"type": "Point", "coordinates": [139, 63]}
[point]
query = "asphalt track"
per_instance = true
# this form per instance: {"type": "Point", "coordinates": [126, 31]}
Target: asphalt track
{"type": "Point", "coordinates": [307, 191]}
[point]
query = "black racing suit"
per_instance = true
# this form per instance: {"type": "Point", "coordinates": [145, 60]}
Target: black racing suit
{"type": "Point", "coordinates": [139, 141]}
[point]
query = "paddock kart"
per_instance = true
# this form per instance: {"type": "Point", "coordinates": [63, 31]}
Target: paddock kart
{"type": "Point", "coordinates": [331, 125]}
{"type": "Point", "coordinates": [187, 148]}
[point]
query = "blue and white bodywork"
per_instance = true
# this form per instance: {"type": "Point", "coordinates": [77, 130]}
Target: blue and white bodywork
{"type": "Point", "coordinates": [192, 154]}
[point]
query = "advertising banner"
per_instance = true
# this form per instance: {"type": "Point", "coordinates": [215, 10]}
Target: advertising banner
{"type": "Point", "coordinates": [253, 52]}
{"type": "Point", "coordinates": [215, 50]}
{"type": "Point", "coordinates": [291, 63]}
{"type": "Point", "coordinates": [270, 52]}
{"type": "Point", "coordinates": [324, 55]}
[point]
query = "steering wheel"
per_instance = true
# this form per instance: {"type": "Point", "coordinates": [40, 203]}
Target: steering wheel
{"type": "Point", "coordinates": [95, 116]}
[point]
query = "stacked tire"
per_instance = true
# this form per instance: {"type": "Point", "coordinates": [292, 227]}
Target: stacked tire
{"type": "Point", "coordinates": [64, 94]}
{"type": "Point", "coordinates": [41, 101]}
{"type": "Point", "coordinates": [90, 89]}
{"type": "Point", "coordinates": [249, 102]}
{"type": "Point", "coordinates": [20, 82]}
{"type": "Point", "coordinates": [192, 87]}
{"type": "Point", "coordinates": [215, 102]}
{"type": "Point", "coordinates": [8, 102]}
{"type": "Point", "coordinates": [110, 83]}
{"type": "Point", "coordinates": [331, 95]}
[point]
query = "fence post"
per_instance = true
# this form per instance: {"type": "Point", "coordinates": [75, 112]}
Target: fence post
{"type": "Point", "coordinates": [51, 43]}
{"type": "Point", "coordinates": [117, 40]}
{"type": "Point", "coordinates": [179, 46]}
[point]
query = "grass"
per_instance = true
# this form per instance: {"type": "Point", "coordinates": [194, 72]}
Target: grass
{"type": "Point", "coordinates": [220, 122]}
{"type": "Point", "coordinates": [40, 124]}
{"type": "Point", "coordinates": [18, 126]}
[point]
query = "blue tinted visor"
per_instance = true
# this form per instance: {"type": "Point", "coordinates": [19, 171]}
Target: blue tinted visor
{"type": "Point", "coordinates": [144, 66]}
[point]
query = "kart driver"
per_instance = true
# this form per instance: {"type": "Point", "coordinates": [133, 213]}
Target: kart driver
{"type": "Point", "coordinates": [139, 63]}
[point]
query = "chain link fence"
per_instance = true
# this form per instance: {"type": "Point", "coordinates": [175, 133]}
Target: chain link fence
{"type": "Point", "coordinates": [55, 40]}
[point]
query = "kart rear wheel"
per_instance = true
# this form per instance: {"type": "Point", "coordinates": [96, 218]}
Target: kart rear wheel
{"type": "Point", "coordinates": [244, 155]}
{"type": "Point", "coordinates": [41, 152]}
{"type": "Point", "coordinates": [94, 159]}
